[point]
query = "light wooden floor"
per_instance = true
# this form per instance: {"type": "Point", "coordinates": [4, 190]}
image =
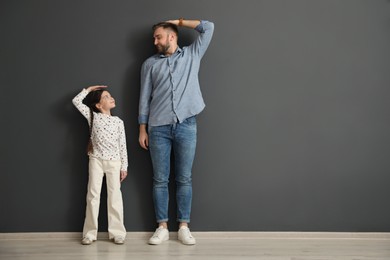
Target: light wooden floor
{"type": "Point", "coordinates": [210, 246]}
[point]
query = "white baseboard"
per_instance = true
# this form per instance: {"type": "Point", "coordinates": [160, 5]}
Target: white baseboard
{"type": "Point", "coordinates": [211, 235]}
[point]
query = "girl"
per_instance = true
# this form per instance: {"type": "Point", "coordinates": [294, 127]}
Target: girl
{"type": "Point", "coordinates": [107, 155]}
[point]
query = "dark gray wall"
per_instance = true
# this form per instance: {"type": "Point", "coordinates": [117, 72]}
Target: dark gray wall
{"type": "Point", "coordinates": [295, 135]}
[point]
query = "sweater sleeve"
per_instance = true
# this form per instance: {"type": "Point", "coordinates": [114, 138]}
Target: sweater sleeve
{"type": "Point", "coordinates": [122, 146]}
{"type": "Point", "coordinates": [78, 103]}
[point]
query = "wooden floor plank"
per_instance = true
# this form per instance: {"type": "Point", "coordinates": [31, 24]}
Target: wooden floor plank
{"type": "Point", "coordinates": [212, 247]}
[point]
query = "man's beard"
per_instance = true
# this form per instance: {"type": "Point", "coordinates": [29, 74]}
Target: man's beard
{"type": "Point", "coordinates": [162, 49]}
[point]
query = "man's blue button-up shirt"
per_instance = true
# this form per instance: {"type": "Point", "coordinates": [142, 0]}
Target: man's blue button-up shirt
{"type": "Point", "coordinates": [170, 90]}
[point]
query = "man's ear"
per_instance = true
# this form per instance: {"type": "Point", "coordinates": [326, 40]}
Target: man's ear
{"type": "Point", "coordinates": [172, 36]}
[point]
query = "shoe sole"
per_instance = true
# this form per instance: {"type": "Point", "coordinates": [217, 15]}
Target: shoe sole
{"type": "Point", "coordinates": [158, 243]}
{"type": "Point", "coordinates": [187, 243]}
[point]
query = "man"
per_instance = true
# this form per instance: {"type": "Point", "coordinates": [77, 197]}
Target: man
{"type": "Point", "coordinates": [170, 98]}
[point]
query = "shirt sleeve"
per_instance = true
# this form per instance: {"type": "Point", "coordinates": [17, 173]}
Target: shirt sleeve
{"type": "Point", "coordinates": [145, 93]}
{"type": "Point", "coordinates": [122, 147]}
{"type": "Point", "coordinates": [78, 103]}
{"type": "Point", "coordinates": [200, 45]}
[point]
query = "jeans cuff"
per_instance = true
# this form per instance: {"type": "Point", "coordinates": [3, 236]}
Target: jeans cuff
{"type": "Point", "coordinates": [183, 220]}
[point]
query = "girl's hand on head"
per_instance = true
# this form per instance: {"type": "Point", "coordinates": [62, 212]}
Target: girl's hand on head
{"type": "Point", "coordinates": [96, 87]}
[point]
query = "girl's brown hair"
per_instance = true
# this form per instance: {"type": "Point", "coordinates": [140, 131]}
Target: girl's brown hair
{"type": "Point", "coordinates": [91, 100]}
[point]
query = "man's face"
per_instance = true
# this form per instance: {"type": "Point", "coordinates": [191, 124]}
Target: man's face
{"type": "Point", "coordinates": [161, 40]}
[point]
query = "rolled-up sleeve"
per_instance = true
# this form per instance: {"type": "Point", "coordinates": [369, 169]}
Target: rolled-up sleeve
{"type": "Point", "coordinates": [206, 30]}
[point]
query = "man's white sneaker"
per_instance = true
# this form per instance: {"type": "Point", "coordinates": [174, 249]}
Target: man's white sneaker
{"type": "Point", "coordinates": [184, 235]}
{"type": "Point", "coordinates": [160, 235]}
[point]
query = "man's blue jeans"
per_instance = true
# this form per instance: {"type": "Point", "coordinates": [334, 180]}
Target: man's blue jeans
{"type": "Point", "coordinates": [181, 137]}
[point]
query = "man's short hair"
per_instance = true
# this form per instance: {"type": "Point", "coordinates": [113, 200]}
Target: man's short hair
{"type": "Point", "coordinates": [165, 25]}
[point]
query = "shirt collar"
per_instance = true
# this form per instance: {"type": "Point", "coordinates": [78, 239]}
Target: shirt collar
{"type": "Point", "coordinates": [178, 50]}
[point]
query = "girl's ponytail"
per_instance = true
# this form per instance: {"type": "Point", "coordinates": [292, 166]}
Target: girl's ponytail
{"type": "Point", "coordinates": [91, 100]}
{"type": "Point", "coordinates": [90, 146]}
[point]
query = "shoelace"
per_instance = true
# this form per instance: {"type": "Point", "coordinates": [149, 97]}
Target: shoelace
{"type": "Point", "coordinates": [187, 233]}
{"type": "Point", "coordinates": [158, 232]}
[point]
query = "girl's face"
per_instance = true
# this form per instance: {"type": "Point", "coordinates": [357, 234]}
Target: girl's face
{"type": "Point", "coordinates": [106, 103]}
